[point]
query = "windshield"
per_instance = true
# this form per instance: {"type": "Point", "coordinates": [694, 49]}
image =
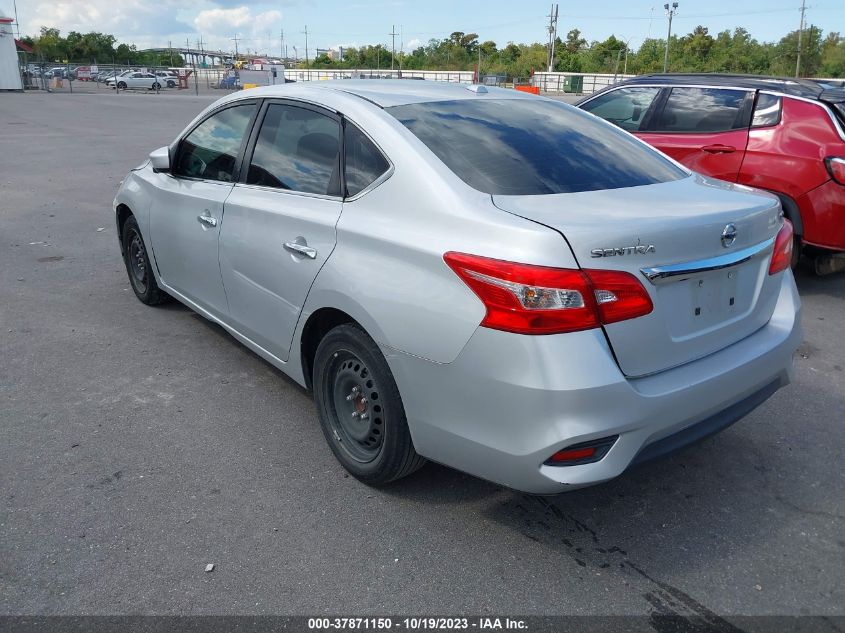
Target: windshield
{"type": "Point", "coordinates": [533, 146]}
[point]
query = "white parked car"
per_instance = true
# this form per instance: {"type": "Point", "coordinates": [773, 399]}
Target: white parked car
{"type": "Point", "coordinates": [167, 78]}
{"type": "Point", "coordinates": [136, 80]}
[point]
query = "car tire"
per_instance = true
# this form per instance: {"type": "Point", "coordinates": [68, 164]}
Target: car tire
{"type": "Point", "coordinates": [137, 262]}
{"type": "Point", "coordinates": [171, 84]}
{"type": "Point", "coordinates": [121, 85]}
{"type": "Point", "coordinates": [156, 86]}
{"type": "Point", "coordinates": [360, 409]}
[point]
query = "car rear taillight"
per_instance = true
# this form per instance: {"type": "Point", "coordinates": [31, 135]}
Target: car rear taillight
{"type": "Point", "coordinates": [782, 255]}
{"type": "Point", "coordinates": [528, 299]}
{"type": "Point", "coordinates": [836, 168]}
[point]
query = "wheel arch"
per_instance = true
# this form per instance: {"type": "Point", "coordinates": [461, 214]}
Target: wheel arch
{"type": "Point", "coordinates": [122, 212]}
{"type": "Point", "coordinates": [317, 325]}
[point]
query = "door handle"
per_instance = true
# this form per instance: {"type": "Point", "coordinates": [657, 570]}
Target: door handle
{"type": "Point", "coordinates": [301, 247]}
{"type": "Point", "coordinates": [718, 149]}
{"type": "Point", "coordinates": [207, 220]}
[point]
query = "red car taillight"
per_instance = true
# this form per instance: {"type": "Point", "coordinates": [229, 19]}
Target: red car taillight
{"type": "Point", "coordinates": [529, 299]}
{"type": "Point", "coordinates": [836, 168]}
{"type": "Point", "coordinates": [782, 255]}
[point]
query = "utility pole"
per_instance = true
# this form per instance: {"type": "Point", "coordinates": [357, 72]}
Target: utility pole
{"type": "Point", "coordinates": [235, 40]}
{"type": "Point", "coordinates": [616, 68]}
{"type": "Point", "coordinates": [800, 33]}
{"type": "Point", "coordinates": [306, 45]}
{"type": "Point", "coordinates": [552, 28]}
{"type": "Point", "coordinates": [671, 13]}
{"type": "Point", "coordinates": [650, 18]}
{"type": "Point", "coordinates": [170, 46]}
{"type": "Point", "coordinates": [478, 72]}
{"type": "Point", "coordinates": [17, 24]}
{"type": "Point", "coordinates": [282, 44]}
{"type": "Point", "coordinates": [393, 46]}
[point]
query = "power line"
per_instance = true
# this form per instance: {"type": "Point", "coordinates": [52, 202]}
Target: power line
{"type": "Point", "coordinates": [686, 17]}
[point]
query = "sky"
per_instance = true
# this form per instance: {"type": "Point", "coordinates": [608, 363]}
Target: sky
{"type": "Point", "coordinates": [332, 23]}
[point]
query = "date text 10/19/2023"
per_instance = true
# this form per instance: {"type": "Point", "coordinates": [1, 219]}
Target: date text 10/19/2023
{"type": "Point", "coordinates": [415, 624]}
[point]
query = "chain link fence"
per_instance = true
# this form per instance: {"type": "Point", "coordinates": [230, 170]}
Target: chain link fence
{"type": "Point", "coordinates": [117, 78]}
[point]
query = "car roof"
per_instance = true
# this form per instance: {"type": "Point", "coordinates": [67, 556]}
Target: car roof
{"type": "Point", "coordinates": [386, 93]}
{"type": "Point", "coordinates": [795, 87]}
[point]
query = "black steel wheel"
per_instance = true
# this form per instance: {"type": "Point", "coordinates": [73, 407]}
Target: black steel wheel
{"type": "Point", "coordinates": [138, 265]}
{"type": "Point", "coordinates": [121, 85]}
{"type": "Point", "coordinates": [360, 408]}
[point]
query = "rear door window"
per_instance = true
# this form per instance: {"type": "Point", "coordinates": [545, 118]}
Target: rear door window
{"type": "Point", "coordinates": [703, 110]}
{"type": "Point", "coordinates": [626, 107]}
{"type": "Point", "coordinates": [211, 150]}
{"type": "Point", "coordinates": [298, 150]}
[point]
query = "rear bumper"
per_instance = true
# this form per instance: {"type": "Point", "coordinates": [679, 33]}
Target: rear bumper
{"type": "Point", "coordinates": [508, 402]}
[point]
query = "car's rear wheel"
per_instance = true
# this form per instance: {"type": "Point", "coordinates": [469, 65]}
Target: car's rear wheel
{"type": "Point", "coordinates": [138, 265]}
{"type": "Point", "coordinates": [360, 408]}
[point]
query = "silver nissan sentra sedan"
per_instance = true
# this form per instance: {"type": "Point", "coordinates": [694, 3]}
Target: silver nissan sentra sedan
{"type": "Point", "coordinates": [494, 281]}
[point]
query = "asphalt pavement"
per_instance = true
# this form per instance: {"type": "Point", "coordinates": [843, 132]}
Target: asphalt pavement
{"type": "Point", "coordinates": [141, 444]}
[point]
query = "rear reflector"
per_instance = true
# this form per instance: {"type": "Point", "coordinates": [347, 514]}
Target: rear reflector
{"type": "Point", "coordinates": [528, 299]}
{"type": "Point", "coordinates": [782, 255]}
{"type": "Point", "coordinates": [583, 453]}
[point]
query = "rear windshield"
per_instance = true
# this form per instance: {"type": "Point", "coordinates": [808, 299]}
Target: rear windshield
{"type": "Point", "coordinates": [532, 146]}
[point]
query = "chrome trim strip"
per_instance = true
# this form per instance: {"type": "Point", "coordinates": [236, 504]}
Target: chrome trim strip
{"type": "Point", "coordinates": [678, 272]}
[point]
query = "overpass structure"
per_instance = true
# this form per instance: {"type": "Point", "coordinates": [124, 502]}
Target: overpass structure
{"type": "Point", "coordinates": [202, 56]}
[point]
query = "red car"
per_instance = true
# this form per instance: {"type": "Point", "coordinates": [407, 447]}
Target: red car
{"type": "Point", "coordinates": [783, 135]}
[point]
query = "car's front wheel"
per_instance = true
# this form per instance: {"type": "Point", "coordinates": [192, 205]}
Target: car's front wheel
{"type": "Point", "coordinates": [138, 265]}
{"type": "Point", "coordinates": [171, 84]}
{"type": "Point", "coordinates": [121, 85]}
{"type": "Point", "coordinates": [360, 408]}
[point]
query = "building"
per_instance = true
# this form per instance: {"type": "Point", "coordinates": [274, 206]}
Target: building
{"type": "Point", "coordinates": [10, 74]}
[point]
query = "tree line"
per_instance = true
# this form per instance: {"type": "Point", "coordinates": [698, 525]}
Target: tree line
{"type": "Point", "coordinates": [698, 51]}
{"type": "Point", "coordinates": [729, 51]}
{"type": "Point", "coordinates": [88, 48]}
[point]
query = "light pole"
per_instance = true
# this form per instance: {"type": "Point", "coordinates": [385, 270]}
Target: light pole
{"type": "Point", "coordinates": [671, 13]}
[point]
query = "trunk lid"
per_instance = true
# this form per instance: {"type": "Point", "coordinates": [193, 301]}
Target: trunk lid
{"type": "Point", "coordinates": [706, 295]}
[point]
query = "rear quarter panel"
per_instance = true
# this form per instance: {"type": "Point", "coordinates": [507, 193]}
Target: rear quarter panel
{"type": "Point", "coordinates": [788, 158]}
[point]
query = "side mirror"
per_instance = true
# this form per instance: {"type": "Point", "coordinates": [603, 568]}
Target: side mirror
{"type": "Point", "coordinates": [160, 160]}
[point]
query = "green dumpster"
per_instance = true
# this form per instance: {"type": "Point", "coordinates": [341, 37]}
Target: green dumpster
{"type": "Point", "coordinates": [573, 83]}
